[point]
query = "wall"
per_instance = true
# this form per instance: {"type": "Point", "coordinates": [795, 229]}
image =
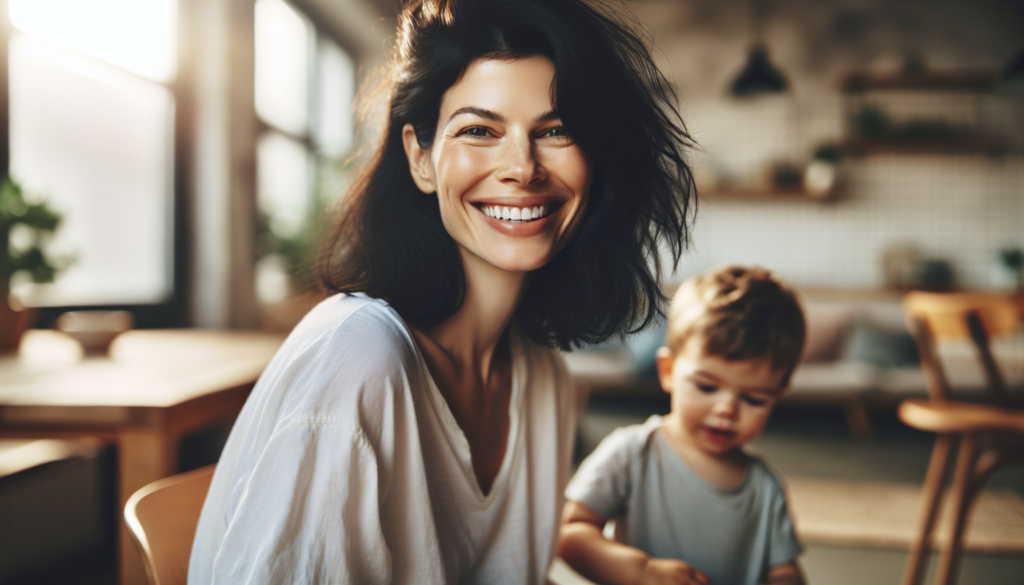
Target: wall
{"type": "Point", "coordinates": [961, 208]}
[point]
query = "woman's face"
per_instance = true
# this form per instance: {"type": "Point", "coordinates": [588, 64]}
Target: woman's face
{"type": "Point", "coordinates": [511, 183]}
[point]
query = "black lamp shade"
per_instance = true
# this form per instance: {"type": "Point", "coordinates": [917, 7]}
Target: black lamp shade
{"type": "Point", "coordinates": [759, 75]}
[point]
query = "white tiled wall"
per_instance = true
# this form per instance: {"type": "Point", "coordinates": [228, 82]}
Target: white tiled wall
{"type": "Point", "coordinates": [958, 208]}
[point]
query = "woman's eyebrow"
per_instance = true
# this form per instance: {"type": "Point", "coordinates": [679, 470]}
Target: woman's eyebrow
{"type": "Point", "coordinates": [483, 113]}
{"type": "Point", "coordinates": [547, 116]}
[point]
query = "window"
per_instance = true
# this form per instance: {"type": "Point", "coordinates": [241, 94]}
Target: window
{"type": "Point", "coordinates": [305, 85]}
{"type": "Point", "coordinates": [92, 132]}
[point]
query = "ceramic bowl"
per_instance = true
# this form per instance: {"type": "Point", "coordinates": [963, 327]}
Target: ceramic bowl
{"type": "Point", "coordinates": [95, 330]}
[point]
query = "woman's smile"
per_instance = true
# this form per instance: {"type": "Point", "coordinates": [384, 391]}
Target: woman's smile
{"type": "Point", "coordinates": [516, 214]}
{"type": "Point", "coordinates": [510, 182]}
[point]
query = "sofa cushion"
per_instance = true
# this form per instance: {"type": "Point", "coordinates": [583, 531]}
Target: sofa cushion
{"type": "Point", "coordinates": [827, 328]}
{"type": "Point", "coordinates": [882, 347]}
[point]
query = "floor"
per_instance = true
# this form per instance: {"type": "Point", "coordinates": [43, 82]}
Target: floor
{"type": "Point", "coordinates": [816, 443]}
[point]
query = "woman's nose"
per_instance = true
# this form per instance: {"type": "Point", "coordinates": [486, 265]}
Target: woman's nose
{"type": "Point", "coordinates": [519, 162]}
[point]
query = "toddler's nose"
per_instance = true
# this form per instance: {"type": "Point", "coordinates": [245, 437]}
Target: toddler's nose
{"type": "Point", "coordinates": [726, 404]}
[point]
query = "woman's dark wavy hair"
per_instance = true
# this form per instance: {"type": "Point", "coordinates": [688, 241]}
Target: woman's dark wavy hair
{"type": "Point", "coordinates": [619, 109]}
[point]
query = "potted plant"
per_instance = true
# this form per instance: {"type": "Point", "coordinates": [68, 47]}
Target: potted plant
{"type": "Point", "coordinates": [1012, 259]}
{"type": "Point", "coordinates": [25, 225]}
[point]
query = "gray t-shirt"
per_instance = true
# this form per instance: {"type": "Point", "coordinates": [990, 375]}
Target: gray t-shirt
{"type": "Point", "coordinates": [733, 535]}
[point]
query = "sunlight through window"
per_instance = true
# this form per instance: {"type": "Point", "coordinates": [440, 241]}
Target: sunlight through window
{"type": "Point", "coordinates": [136, 35]}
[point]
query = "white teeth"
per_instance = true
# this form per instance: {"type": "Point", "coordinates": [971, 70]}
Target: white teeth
{"type": "Point", "coordinates": [515, 213]}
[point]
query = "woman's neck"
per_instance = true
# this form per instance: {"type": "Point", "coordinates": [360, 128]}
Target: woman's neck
{"type": "Point", "coordinates": [469, 338]}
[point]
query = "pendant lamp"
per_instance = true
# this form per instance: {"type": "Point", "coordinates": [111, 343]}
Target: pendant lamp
{"type": "Point", "coordinates": [759, 75]}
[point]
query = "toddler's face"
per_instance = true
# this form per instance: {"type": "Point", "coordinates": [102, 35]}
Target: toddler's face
{"type": "Point", "coordinates": [719, 405]}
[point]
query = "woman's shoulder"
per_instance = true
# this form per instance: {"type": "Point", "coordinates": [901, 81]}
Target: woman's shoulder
{"type": "Point", "coordinates": [338, 310]}
{"type": "Point", "coordinates": [345, 356]}
{"type": "Point", "coordinates": [353, 323]}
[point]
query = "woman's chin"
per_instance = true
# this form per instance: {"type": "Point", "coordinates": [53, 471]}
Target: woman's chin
{"type": "Point", "coordinates": [515, 260]}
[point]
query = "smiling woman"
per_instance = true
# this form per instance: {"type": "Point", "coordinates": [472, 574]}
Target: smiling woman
{"type": "Point", "coordinates": [418, 427]}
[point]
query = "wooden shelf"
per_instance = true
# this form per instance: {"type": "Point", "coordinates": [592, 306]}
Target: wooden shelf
{"type": "Point", "coordinates": [952, 145]}
{"type": "Point", "coordinates": [758, 194]}
{"type": "Point", "coordinates": [949, 80]}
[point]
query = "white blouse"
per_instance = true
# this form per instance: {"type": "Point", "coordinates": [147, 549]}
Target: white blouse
{"type": "Point", "coordinates": [346, 466]}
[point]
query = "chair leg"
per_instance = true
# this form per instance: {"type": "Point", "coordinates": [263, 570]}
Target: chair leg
{"type": "Point", "coordinates": [858, 420]}
{"type": "Point", "coordinates": [929, 507]}
{"type": "Point", "coordinates": [949, 556]}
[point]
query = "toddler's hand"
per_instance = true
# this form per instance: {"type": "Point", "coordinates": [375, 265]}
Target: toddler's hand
{"type": "Point", "coordinates": [672, 572]}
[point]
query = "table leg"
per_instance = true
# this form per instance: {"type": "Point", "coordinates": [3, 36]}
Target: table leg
{"type": "Point", "coordinates": [144, 456]}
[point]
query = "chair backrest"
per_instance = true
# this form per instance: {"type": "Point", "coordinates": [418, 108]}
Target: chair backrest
{"type": "Point", "coordinates": [945, 313]}
{"type": "Point", "coordinates": [977, 317]}
{"type": "Point", "coordinates": [162, 518]}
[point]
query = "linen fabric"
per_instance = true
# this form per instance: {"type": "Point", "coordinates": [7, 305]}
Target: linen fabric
{"type": "Point", "coordinates": [346, 466]}
{"type": "Point", "coordinates": [733, 535]}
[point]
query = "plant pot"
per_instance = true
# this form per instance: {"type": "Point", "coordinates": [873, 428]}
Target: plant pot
{"type": "Point", "coordinates": [13, 324]}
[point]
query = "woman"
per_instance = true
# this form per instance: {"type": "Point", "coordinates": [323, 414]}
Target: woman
{"type": "Point", "coordinates": [417, 428]}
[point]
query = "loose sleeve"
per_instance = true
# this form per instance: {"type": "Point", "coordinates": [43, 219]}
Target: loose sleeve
{"type": "Point", "coordinates": [602, 482]}
{"type": "Point", "coordinates": [309, 514]}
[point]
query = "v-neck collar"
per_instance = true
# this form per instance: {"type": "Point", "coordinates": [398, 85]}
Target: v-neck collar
{"type": "Point", "coordinates": [457, 438]}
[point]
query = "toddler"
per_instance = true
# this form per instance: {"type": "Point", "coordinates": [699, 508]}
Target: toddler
{"type": "Point", "coordinates": [693, 505]}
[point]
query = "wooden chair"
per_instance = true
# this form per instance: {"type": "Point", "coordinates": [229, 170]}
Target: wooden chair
{"type": "Point", "coordinates": [162, 519]}
{"type": "Point", "coordinates": [990, 436]}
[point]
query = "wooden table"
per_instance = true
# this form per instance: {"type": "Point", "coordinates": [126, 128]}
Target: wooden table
{"type": "Point", "coordinates": [154, 387]}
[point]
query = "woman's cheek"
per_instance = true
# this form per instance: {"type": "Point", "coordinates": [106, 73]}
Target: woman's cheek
{"type": "Point", "coordinates": [461, 168]}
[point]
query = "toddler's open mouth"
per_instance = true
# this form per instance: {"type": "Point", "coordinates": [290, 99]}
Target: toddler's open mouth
{"type": "Point", "coordinates": [719, 435]}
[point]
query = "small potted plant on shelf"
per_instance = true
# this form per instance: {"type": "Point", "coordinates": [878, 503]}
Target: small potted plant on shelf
{"type": "Point", "coordinates": [25, 225]}
{"type": "Point", "coordinates": [1012, 259]}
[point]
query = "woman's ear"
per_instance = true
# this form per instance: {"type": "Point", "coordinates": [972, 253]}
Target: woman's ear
{"type": "Point", "coordinates": [663, 360]}
{"type": "Point", "coordinates": [419, 160]}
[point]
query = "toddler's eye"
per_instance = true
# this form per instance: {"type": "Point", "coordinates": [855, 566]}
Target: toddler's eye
{"type": "Point", "coordinates": [753, 400]}
{"type": "Point", "coordinates": [707, 388]}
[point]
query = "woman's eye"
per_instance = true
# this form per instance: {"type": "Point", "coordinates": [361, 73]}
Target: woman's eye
{"type": "Point", "coordinates": [476, 132]}
{"type": "Point", "coordinates": [556, 132]}
{"type": "Point", "coordinates": [753, 400]}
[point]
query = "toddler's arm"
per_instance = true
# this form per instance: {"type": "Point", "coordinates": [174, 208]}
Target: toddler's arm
{"type": "Point", "coordinates": [785, 574]}
{"type": "Point", "coordinates": [582, 545]}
